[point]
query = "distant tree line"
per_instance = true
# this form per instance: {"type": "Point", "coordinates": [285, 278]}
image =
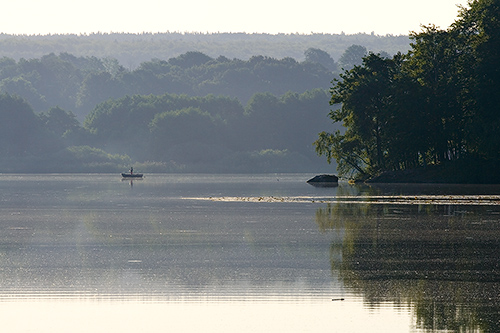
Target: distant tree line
{"type": "Point", "coordinates": [212, 133]}
{"type": "Point", "coordinates": [133, 49]}
{"type": "Point", "coordinates": [438, 103]}
{"type": "Point", "coordinates": [80, 83]}
{"type": "Point", "coordinates": [52, 141]}
{"type": "Point", "coordinates": [197, 74]}
{"type": "Point", "coordinates": [166, 133]}
{"type": "Point", "coordinates": [86, 113]}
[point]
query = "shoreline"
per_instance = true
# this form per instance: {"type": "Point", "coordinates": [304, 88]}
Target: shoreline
{"type": "Point", "coordinates": [459, 172]}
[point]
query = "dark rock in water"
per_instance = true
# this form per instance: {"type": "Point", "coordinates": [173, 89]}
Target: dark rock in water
{"type": "Point", "coordinates": [324, 180]}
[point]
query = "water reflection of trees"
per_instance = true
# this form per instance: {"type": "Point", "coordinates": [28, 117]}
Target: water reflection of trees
{"type": "Point", "coordinates": [442, 260]}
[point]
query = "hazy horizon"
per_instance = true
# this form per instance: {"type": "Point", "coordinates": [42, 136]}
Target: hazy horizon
{"type": "Point", "coordinates": [32, 17]}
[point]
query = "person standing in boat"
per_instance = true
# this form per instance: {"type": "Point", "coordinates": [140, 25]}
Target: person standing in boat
{"type": "Point", "coordinates": [131, 170]}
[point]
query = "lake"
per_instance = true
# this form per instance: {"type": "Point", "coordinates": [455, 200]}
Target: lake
{"type": "Point", "coordinates": [246, 253]}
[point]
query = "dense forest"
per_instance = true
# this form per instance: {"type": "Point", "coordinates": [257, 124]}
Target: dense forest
{"type": "Point", "coordinates": [80, 83]}
{"type": "Point", "coordinates": [437, 105]}
{"type": "Point", "coordinates": [166, 133]}
{"type": "Point", "coordinates": [188, 113]}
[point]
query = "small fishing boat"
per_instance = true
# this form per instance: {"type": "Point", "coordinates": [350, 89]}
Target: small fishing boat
{"type": "Point", "coordinates": [134, 175]}
{"type": "Point", "coordinates": [131, 174]}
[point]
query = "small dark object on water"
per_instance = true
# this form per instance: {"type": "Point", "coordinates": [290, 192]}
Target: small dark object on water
{"type": "Point", "coordinates": [337, 299]}
{"type": "Point", "coordinates": [135, 175]}
{"type": "Point", "coordinates": [324, 180]}
{"type": "Point", "coordinates": [131, 174]}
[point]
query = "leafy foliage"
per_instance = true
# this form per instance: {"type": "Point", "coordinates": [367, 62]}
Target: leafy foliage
{"type": "Point", "coordinates": [438, 103]}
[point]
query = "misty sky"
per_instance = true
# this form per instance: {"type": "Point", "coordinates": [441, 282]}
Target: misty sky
{"type": "Point", "coordinates": [261, 16]}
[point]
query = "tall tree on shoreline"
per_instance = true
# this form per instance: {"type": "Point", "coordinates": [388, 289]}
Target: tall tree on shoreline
{"type": "Point", "coordinates": [437, 103]}
{"type": "Point", "coordinates": [479, 27]}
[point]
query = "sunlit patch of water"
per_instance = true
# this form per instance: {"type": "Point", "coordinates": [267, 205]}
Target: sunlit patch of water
{"type": "Point", "coordinates": [482, 200]}
{"type": "Point", "coordinates": [110, 316]}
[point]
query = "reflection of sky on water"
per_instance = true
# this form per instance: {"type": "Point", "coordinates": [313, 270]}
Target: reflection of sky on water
{"type": "Point", "coordinates": [95, 236]}
{"type": "Point", "coordinates": [169, 242]}
{"type": "Point", "coordinates": [111, 316]}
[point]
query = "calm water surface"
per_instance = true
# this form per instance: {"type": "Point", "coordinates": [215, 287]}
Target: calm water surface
{"type": "Point", "coordinates": [246, 253]}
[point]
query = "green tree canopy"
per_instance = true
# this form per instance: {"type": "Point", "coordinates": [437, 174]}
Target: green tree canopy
{"type": "Point", "coordinates": [438, 103]}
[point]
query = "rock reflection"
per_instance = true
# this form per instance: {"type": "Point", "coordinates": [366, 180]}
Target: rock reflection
{"type": "Point", "coordinates": [441, 260]}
